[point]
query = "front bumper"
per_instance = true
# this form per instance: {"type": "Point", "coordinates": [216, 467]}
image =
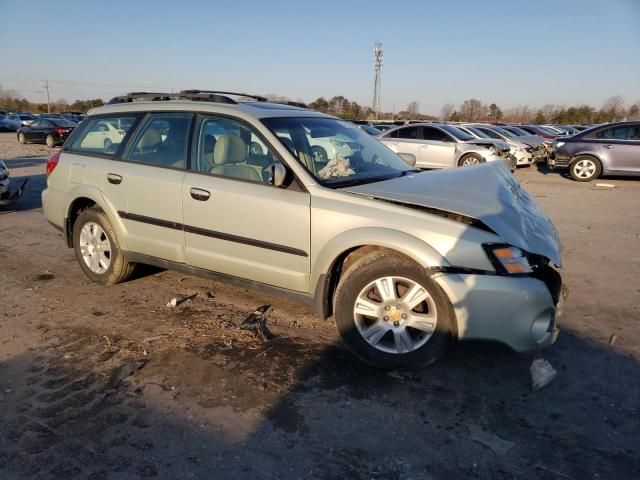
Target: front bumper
{"type": "Point", "coordinates": [520, 312]}
{"type": "Point", "coordinates": [558, 159]}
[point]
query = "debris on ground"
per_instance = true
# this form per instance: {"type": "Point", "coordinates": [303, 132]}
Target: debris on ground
{"type": "Point", "coordinates": [605, 185]}
{"type": "Point", "coordinates": [147, 341]}
{"type": "Point", "coordinates": [123, 371]}
{"type": "Point", "coordinates": [210, 296]}
{"type": "Point", "coordinates": [542, 373]}
{"type": "Point", "coordinates": [106, 355]}
{"type": "Point", "coordinates": [175, 301]}
{"type": "Point", "coordinates": [498, 445]}
{"type": "Point", "coordinates": [613, 339]}
{"type": "Point", "coordinates": [256, 322]}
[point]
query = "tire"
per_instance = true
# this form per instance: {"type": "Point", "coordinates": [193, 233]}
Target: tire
{"type": "Point", "coordinates": [50, 141]}
{"type": "Point", "coordinates": [470, 159]}
{"type": "Point", "coordinates": [21, 138]}
{"type": "Point", "coordinates": [107, 143]}
{"type": "Point", "coordinates": [585, 168]}
{"type": "Point", "coordinates": [110, 272]}
{"type": "Point", "coordinates": [387, 350]}
{"type": "Point", "coordinates": [319, 154]}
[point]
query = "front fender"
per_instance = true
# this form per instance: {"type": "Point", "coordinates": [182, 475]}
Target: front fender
{"type": "Point", "coordinates": [419, 251]}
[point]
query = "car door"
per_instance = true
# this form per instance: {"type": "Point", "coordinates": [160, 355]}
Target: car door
{"type": "Point", "coordinates": [620, 145]}
{"type": "Point", "coordinates": [141, 179]}
{"type": "Point", "coordinates": [236, 222]}
{"type": "Point", "coordinates": [438, 149]}
{"type": "Point", "coordinates": [38, 134]}
{"type": "Point", "coordinates": [405, 140]}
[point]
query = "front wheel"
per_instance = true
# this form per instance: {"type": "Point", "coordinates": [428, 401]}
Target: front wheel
{"type": "Point", "coordinates": [21, 138]}
{"type": "Point", "coordinates": [470, 159]}
{"type": "Point", "coordinates": [391, 314]}
{"type": "Point", "coordinates": [585, 169]}
{"type": "Point", "coordinates": [50, 141]}
{"type": "Point", "coordinates": [98, 250]}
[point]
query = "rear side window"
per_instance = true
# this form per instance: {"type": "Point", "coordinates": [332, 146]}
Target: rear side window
{"type": "Point", "coordinates": [408, 132]}
{"type": "Point", "coordinates": [622, 132]}
{"type": "Point", "coordinates": [162, 140]}
{"type": "Point", "coordinates": [102, 135]}
{"type": "Point", "coordinates": [430, 133]}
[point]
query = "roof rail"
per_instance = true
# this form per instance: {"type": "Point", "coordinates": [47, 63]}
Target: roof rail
{"type": "Point", "coordinates": [143, 96]}
{"type": "Point", "coordinates": [293, 104]}
{"type": "Point", "coordinates": [221, 93]}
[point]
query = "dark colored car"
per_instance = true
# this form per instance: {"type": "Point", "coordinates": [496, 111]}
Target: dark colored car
{"type": "Point", "coordinates": [46, 130]}
{"type": "Point", "coordinates": [538, 130]}
{"type": "Point", "coordinates": [612, 149]}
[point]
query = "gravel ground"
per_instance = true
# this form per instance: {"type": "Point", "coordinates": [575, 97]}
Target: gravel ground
{"type": "Point", "coordinates": [110, 383]}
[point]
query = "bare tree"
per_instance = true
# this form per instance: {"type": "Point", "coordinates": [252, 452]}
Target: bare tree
{"type": "Point", "coordinates": [634, 111]}
{"type": "Point", "coordinates": [472, 110]}
{"type": "Point", "coordinates": [413, 109]}
{"type": "Point", "coordinates": [613, 108]}
{"type": "Point", "coordinates": [446, 111]}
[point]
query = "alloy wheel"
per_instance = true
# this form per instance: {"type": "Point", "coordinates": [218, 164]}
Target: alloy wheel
{"type": "Point", "coordinates": [95, 248]}
{"type": "Point", "coordinates": [470, 161]}
{"type": "Point", "coordinates": [395, 314]}
{"type": "Point", "coordinates": [585, 168]}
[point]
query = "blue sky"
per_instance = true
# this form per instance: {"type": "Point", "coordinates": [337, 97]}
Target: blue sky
{"type": "Point", "coordinates": [509, 52]}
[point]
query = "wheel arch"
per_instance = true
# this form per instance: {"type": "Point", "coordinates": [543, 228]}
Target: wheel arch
{"type": "Point", "coordinates": [85, 197]}
{"type": "Point", "coordinates": [338, 254]}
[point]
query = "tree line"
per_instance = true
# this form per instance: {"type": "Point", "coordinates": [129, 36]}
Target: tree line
{"type": "Point", "coordinates": [12, 101]}
{"type": "Point", "coordinates": [473, 110]}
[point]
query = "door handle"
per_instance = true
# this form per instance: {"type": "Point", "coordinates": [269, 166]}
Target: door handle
{"type": "Point", "coordinates": [114, 178]}
{"type": "Point", "coordinates": [608, 147]}
{"type": "Point", "coordinates": [200, 194]}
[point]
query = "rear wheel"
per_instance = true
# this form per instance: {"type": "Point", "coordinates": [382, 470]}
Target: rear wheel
{"type": "Point", "coordinates": [21, 138]}
{"type": "Point", "coordinates": [98, 250]}
{"type": "Point", "coordinates": [585, 169]}
{"type": "Point", "coordinates": [107, 143]}
{"type": "Point", "coordinates": [391, 314]}
{"type": "Point", "coordinates": [470, 159]}
{"type": "Point", "coordinates": [50, 141]}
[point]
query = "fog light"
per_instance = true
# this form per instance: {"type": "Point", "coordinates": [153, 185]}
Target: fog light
{"type": "Point", "coordinates": [543, 325]}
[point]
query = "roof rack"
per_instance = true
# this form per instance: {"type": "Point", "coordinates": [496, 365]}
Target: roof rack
{"type": "Point", "coordinates": [222, 93]}
{"type": "Point", "coordinates": [143, 96]}
{"type": "Point", "coordinates": [293, 104]}
{"type": "Point", "coordinates": [194, 94]}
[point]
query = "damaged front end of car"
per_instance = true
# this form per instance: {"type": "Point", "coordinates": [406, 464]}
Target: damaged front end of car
{"type": "Point", "coordinates": [7, 197]}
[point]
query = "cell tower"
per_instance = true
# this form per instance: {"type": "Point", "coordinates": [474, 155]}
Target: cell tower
{"type": "Point", "coordinates": [377, 70]}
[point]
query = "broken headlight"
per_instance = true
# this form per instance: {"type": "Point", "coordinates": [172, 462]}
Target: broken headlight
{"type": "Point", "coordinates": [508, 260]}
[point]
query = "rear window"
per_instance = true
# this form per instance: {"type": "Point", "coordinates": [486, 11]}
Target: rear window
{"type": "Point", "coordinates": [101, 135]}
{"type": "Point", "coordinates": [63, 123]}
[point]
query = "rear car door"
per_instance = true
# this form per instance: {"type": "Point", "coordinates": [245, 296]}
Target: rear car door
{"type": "Point", "coordinates": [140, 177]}
{"type": "Point", "coordinates": [621, 146]}
{"type": "Point", "coordinates": [439, 148]}
{"type": "Point", "coordinates": [235, 221]}
{"type": "Point", "coordinates": [406, 140]}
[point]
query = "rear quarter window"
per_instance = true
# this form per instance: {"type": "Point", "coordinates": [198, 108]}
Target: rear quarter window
{"type": "Point", "coordinates": [103, 135]}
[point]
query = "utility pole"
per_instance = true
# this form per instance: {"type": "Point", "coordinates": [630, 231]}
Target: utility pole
{"type": "Point", "coordinates": [377, 70]}
{"type": "Point", "coordinates": [46, 88]}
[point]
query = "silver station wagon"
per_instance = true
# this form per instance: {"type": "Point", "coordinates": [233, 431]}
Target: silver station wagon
{"type": "Point", "coordinates": [227, 186]}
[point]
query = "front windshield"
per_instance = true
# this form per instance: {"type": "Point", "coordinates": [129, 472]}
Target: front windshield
{"type": "Point", "coordinates": [335, 152]}
{"type": "Point", "coordinates": [478, 132]}
{"type": "Point", "coordinates": [490, 133]}
{"type": "Point", "coordinates": [504, 132]}
{"type": "Point", "coordinates": [456, 132]}
{"type": "Point", "coordinates": [518, 131]}
{"type": "Point", "coordinates": [548, 130]}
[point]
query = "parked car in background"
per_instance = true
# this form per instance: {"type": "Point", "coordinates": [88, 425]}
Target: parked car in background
{"type": "Point", "coordinates": [520, 151]}
{"type": "Point", "coordinates": [17, 120]}
{"type": "Point", "coordinates": [530, 139]}
{"type": "Point", "coordinates": [444, 146]}
{"type": "Point", "coordinates": [407, 262]}
{"type": "Point", "coordinates": [383, 127]}
{"type": "Point", "coordinates": [535, 143]}
{"type": "Point", "coordinates": [540, 131]}
{"type": "Point", "coordinates": [613, 149]}
{"type": "Point", "coordinates": [5, 124]}
{"type": "Point", "coordinates": [73, 116]}
{"type": "Point", "coordinates": [371, 130]}
{"type": "Point", "coordinates": [104, 135]}
{"type": "Point", "coordinates": [51, 132]}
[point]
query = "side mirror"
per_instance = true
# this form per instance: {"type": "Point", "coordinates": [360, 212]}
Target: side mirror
{"type": "Point", "coordinates": [409, 158]}
{"type": "Point", "coordinates": [278, 174]}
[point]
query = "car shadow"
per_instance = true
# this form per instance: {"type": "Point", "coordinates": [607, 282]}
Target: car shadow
{"type": "Point", "coordinates": [31, 195]}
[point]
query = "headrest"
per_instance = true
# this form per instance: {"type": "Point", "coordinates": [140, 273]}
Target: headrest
{"type": "Point", "coordinates": [150, 139]}
{"type": "Point", "coordinates": [229, 149]}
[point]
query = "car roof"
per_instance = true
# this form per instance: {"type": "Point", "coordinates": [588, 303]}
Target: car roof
{"type": "Point", "coordinates": [243, 109]}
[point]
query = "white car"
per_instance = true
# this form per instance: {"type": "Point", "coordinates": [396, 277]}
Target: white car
{"type": "Point", "coordinates": [521, 151]}
{"type": "Point", "coordinates": [325, 148]}
{"type": "Point", "coordinates": [103, 135]}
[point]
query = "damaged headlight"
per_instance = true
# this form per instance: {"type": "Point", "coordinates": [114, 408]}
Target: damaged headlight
{"type": "Point", "coordinates": [557, 145]}
{"type": "Point", "coordinates": [508, 260]}
{"type": "Point", "coordinates": [493, 150]}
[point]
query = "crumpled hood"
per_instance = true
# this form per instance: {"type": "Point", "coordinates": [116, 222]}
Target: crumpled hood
{"type": "Point", "coordinates": [532, 140]}
{"type": "Point", "coordinates": [487, 192]}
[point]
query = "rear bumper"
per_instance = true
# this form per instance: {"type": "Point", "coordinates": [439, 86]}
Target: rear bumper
{"type": "Point", "coordinates": [520, 312]}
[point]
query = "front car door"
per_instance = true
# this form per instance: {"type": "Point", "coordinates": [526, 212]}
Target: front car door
{"type": "Point", "coordinates": [405, 140]}
{"type": "Point", "coordinates": [235, 221]}
{"type": "Point", "coordinates": [438, 149]}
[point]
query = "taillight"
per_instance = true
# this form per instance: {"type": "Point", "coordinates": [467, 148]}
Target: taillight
{"type": "Point", "coordinates": [52, 162]}
{"type": "Point", "coordinates": [60, 131]}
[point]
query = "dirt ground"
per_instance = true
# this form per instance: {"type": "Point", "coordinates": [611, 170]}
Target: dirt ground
{"type": "Point", "coordinates": [110, 383]}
